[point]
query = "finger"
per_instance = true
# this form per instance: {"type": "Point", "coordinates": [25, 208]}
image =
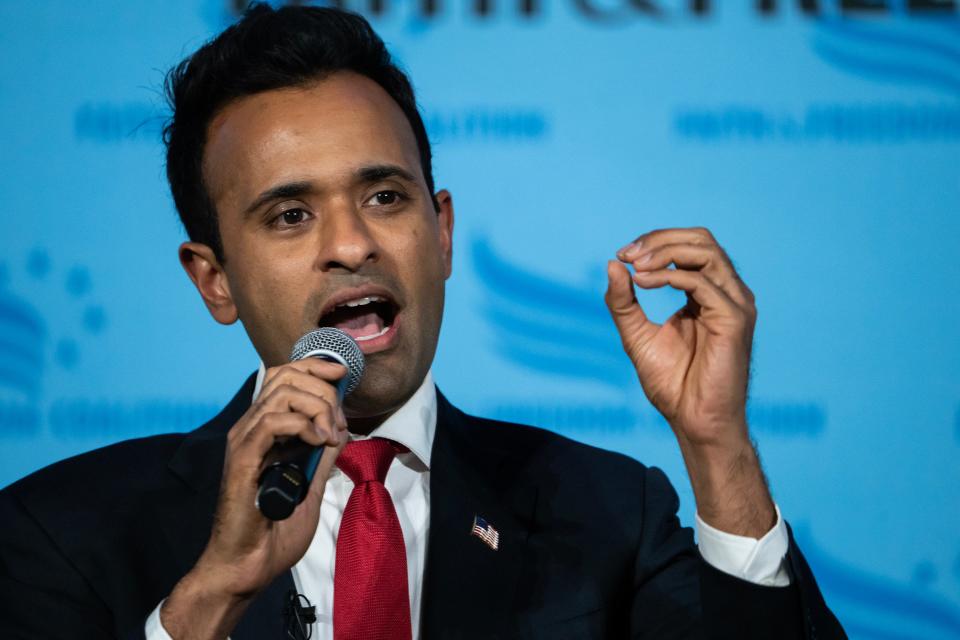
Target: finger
{"type": "Point", "coordinates": [708, 259]}
{"type": "Point", "coordinates": [632, 324]}
{"type": "Point", "coordinates": [249, 451]}
{"type": "Point", "coordinates": [317, 367]}
{"type": "Point", "coordinates": [719, 312]}
{"type": "Point", "coordinates": [660, 237]}
{"type": "Point", "coordinates": [304, 381]}
{"type": "Point", "coordinates": [627, 313]}
{"type": "Point", "coordinates": [316, 376]}
{"type": "Point", "coordinates": [288, 398]}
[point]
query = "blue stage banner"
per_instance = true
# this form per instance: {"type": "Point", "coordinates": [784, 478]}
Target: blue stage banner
{"type": "Point", "coordinates": [818, 139]}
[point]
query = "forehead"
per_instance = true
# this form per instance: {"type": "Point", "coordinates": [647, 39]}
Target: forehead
{"type": "Point", "coordinates": [320, 132]}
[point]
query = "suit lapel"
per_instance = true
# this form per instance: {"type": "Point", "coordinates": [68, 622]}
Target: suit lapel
{"type": "Point", "coordinates": [198, 463]}
{"type": "Point", "coordinates": [187, 522]}
{"type": "Point", "coordinates": [471, 476]}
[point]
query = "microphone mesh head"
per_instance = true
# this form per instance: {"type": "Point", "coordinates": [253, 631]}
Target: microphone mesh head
{"type": "Point", "coordinates": [335, 345]}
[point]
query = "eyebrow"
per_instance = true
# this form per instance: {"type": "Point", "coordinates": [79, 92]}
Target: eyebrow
{"type": "Point", "coordinates": [364, 175]}
{"type": "Point", "coordinates": [280, 192]}
{"type": "Point", "coordinates": [379, 172]}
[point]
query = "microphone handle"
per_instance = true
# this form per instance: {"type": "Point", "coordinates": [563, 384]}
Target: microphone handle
{"type": "Point", "coordinates": [285, 482]}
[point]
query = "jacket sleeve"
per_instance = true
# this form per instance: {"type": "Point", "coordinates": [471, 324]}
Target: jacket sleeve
{"type": "Point", "coordinates": [677, 594]}
{"type": "Point", "coordinates": [41, 594]}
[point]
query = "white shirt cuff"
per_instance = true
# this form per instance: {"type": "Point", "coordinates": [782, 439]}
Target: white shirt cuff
{"type": "Point", "coordinates": [760, 561]}
{"type": "Point", "coordinates": [153, 629]}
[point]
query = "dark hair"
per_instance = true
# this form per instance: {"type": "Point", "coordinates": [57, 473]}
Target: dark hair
{"type": "Point", "coordinates": [267, 49]}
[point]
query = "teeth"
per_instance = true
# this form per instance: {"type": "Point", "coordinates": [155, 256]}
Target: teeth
{"type": "Point", "coordinates": [372, 336]}
{"type": "Point", "coordinates": [359, 302]}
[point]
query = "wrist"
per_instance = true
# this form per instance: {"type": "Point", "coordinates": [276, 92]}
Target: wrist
{"type": "Point", "coordinates": [202, 607]}
{"type": "Point", "coordinates": [730, 489]}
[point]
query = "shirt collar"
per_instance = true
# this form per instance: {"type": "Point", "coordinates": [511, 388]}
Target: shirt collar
{"type": "Point", "coordinates": [413, 425]}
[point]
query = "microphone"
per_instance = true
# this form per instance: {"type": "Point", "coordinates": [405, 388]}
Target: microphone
{"type": "Point", "coordinates": [298, 618]}
{"type": "Point", "coordinates": [284, 483]}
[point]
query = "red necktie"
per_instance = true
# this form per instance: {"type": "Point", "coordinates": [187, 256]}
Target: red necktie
{"type": "Point", "coordinates": [370, 600]}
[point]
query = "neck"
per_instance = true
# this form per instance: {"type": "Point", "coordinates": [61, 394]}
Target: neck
{"type": "Point", "coordinates": [364, 425]}
{"type": "Point", "coordinates": [366, 411]}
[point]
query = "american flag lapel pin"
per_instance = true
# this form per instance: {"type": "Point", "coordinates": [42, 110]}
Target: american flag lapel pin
{"type": "Point", "coordinates": [483, 530]}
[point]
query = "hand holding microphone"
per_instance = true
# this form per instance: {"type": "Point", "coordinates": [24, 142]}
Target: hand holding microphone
{"type": "Point", "coordinates": [278, 458]}
{"type": "Point", "coordinates": [283, 484]}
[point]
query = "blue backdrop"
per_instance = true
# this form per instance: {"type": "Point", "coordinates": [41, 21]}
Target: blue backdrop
{"type": "Point", "coordinates": [819, 141]}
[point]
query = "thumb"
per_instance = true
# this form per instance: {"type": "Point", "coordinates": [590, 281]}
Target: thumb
{"type": "Point", "coordinates": [627, 313]}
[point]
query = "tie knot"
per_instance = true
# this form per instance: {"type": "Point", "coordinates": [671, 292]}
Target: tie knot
{"type": "Point", "coordinates": [367, 460]}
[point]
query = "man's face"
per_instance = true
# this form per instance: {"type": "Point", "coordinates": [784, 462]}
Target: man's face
{"type": "Point", "coordinates": [326, 220]}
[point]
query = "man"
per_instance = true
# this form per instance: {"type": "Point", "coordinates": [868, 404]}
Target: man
{"type": "Point", "coordinates": [302, 172]}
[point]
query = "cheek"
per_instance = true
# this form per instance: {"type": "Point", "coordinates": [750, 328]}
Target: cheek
{"type": "Point", "coordinates": [427, 263]}
{"type": "Point", "coordinates": [426, 251]}
{"type": "Point", "coordinates": [267, 290]}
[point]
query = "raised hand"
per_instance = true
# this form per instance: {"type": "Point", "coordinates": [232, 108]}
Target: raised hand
{"type": "Point", "coordinates": [694, 368]}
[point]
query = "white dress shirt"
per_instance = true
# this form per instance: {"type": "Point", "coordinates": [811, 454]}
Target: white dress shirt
{"type": "Point", "coordinates": [408, 483]}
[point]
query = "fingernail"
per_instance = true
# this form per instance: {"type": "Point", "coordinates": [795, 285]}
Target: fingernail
{"type": "Point", "coordinates": [630, 249]}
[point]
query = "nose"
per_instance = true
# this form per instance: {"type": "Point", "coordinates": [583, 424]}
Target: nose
{"type": "Point", "coordinates": [346, 242]}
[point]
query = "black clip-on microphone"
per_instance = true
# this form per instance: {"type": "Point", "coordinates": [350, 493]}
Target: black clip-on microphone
{"type": "Point", "coordinates": [284, 483]}
{"type": "Point", "coordinates": [298, 618]}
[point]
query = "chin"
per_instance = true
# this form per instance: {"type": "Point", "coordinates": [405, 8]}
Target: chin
{"type": "Point", "coordinates": [380, 392]}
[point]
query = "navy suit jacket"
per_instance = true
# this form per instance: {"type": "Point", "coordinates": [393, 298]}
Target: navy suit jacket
{"type": "Point", "coordinates": [590, 544]}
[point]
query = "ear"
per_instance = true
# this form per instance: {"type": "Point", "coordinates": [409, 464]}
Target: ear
{"type": "Point", "coordinates": [208, 276]}
{"type": "Point", "coordinates": [444, 202]}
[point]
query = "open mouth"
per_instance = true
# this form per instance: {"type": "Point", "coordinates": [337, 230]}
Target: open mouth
{"type": "Point", "coordinates": [363, 318]}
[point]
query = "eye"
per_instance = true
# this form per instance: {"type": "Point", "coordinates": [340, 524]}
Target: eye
{"type": "Point", "coordinates": [290, 218]}
{"type": "Point", "coordinates": [386, 198]}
